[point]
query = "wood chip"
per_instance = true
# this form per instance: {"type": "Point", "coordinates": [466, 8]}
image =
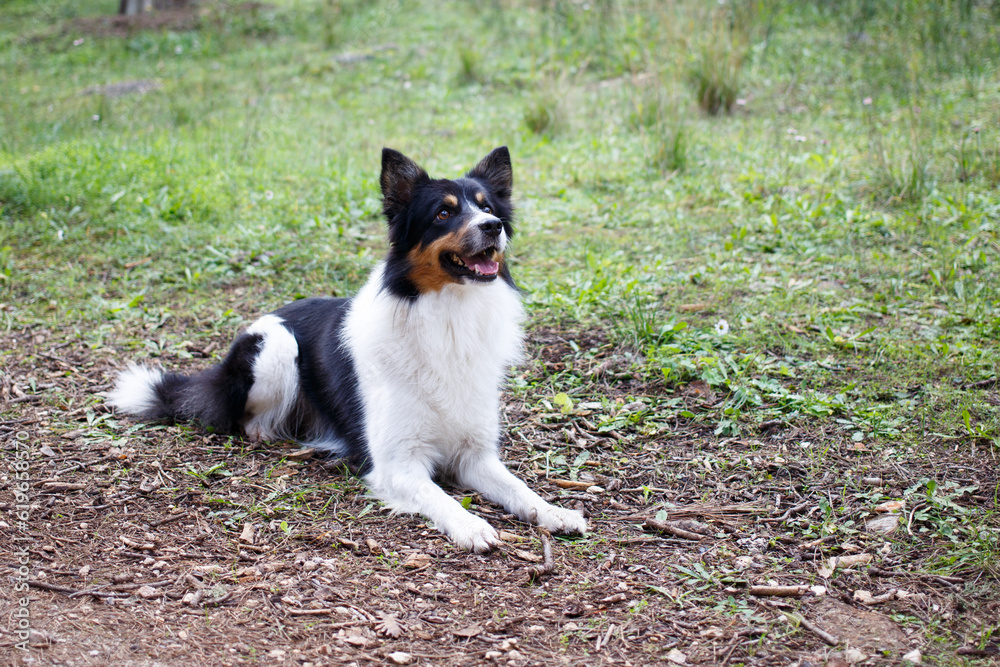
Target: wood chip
{"type": "Point", "coordinates": [64, 486]}
{"type": "Point", "coordinates": [147, 592]}
{"type": "Point", "coordinates": [571, 484]}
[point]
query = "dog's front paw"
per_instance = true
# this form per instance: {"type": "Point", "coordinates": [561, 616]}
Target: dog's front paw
{"type": "Point", "coordinates": [474, 534]}
{"type": "Point", "coordinates": [559, 520]}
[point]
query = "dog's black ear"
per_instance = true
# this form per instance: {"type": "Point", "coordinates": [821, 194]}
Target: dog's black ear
{"type": "Point", "coordinates": [400, 175]}
{"type": "Point", "coordinates": [495, 169]}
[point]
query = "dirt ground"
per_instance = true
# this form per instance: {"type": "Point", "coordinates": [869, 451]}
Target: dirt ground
{"type": "Point", "coordinates": [164, 545]}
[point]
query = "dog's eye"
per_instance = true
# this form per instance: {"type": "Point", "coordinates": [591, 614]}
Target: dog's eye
{"type": "Point", "coordinates": [444, 214]}
{"type": "Point", "coordinates": [487, 209]}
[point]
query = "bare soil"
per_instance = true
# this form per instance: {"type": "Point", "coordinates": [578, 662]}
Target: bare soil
{"type": "Point", "coordinates": [165, 545]}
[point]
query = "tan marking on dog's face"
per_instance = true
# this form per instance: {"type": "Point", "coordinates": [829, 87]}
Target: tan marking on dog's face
{"type": "Point", "coordinates": [426, 272]}
{"type": "Point", "coordinates": [480, 197]}
{"type": "Point", "coordinates": [450, 200]}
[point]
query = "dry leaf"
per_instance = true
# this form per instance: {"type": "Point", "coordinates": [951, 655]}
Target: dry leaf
{"type": "Point", "coordinates": [470, 631]}
{"type": "Point", "coordinates": [304, 453]}
{"type": "Point", "coordinates": [416, 560]}
{"type": "Point", "coordinates": [528, 556]}
{"type": "Point", "coordinates": [885, 524]}
{"type": "Point", "coordinates": [390, 626]}
{"type": "Point", "coordinates": [676, 657]}
{"type": "Point", "coordinates": [890, 506]}
{"type": "Point", "coordinates": [247, 534]}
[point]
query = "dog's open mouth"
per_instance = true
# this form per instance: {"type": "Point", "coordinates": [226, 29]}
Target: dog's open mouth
{"type": "Point", "coordinates": [481, 266]}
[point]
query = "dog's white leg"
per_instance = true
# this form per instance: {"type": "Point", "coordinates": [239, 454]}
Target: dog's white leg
{"type": "Point", "coordinates": [484, 471]}
{"type": "Point", "coordinates": [407, 486]}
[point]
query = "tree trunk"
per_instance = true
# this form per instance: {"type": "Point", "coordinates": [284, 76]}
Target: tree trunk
{"type": "Point", "coordinates": [132, 7]}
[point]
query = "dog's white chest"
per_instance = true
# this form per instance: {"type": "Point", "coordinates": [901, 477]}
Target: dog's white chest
{"type": "Point", "coordinates": [430, 372]}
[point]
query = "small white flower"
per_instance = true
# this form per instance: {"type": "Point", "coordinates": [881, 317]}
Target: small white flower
{"type": "Point", "coordinates": [178, 50]}
{"type": "Point", "coordinates": [78, 42]}
{"type": "Point", "coordinates": [722, 327]}
{"type": "Point", "coordinates": [96, 117]}
{"type": "Point", "coordinates": [268, 195]}
{"type": "Point", "coordinates": [799, 137]}
{"type": "Point", "coordinates": [867, 101]}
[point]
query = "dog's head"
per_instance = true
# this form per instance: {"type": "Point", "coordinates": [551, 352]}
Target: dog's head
{"type": "Point", "coordinates": [444, 232]}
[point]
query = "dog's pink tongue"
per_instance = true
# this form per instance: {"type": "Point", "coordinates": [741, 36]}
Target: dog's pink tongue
{"type": "Point", "coordinates": [483, 265]}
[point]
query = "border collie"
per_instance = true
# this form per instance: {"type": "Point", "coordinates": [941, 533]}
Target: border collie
{"type": "Point", "coordinates": [404, 378]}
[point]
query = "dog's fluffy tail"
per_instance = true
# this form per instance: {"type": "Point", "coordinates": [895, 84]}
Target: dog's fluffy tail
{"type": "Point", "coordinates": [214, 397]}
{"type": "Point", "coordinates": [255, 386]}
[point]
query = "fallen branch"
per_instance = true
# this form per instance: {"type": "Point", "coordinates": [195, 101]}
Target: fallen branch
{"type": "Point", "coordinates": [670, 529]}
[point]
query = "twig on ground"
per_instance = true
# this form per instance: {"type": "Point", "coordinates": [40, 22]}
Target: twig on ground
{"type": "Point", "coordinates": [982, 384]}
{"type": "Point", "coordinates": [816, 630]}
{"type": "Point", "coordinates": [816, 543]}
{"type": "Point", "coordinates": [789, 512]}
{"type": "Point", "coordinates": [72, 592]}
{"type": "Point", "coordinates": [988, 652]}
{"type": "Point", "coordinates": [536, 572]}
{"type": "Point", "coordinates": [670, 529]}
{"type": "Point", "coordinates": [945, 579]}
{"type": "Point", "coordinates": [779, 591]}
{"type": "Point", "coordinates": [166, 520]}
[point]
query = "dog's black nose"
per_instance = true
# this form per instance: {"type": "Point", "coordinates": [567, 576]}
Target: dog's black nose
{"type": "Point", "coordinates": [491, 228]}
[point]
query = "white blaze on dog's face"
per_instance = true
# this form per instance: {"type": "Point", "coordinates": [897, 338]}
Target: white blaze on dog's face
{"type": "Point", "coordinates": [448, 231]}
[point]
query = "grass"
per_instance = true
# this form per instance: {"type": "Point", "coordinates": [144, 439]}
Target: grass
{"type": "Point", "coordinates": [842, 218]}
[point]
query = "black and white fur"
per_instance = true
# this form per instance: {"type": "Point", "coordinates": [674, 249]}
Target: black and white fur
{"type": "Point", "coordinates": [405, 377]}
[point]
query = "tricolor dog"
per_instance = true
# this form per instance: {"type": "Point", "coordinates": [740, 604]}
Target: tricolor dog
{"type": "Point", "coordinates": [405, 377]}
